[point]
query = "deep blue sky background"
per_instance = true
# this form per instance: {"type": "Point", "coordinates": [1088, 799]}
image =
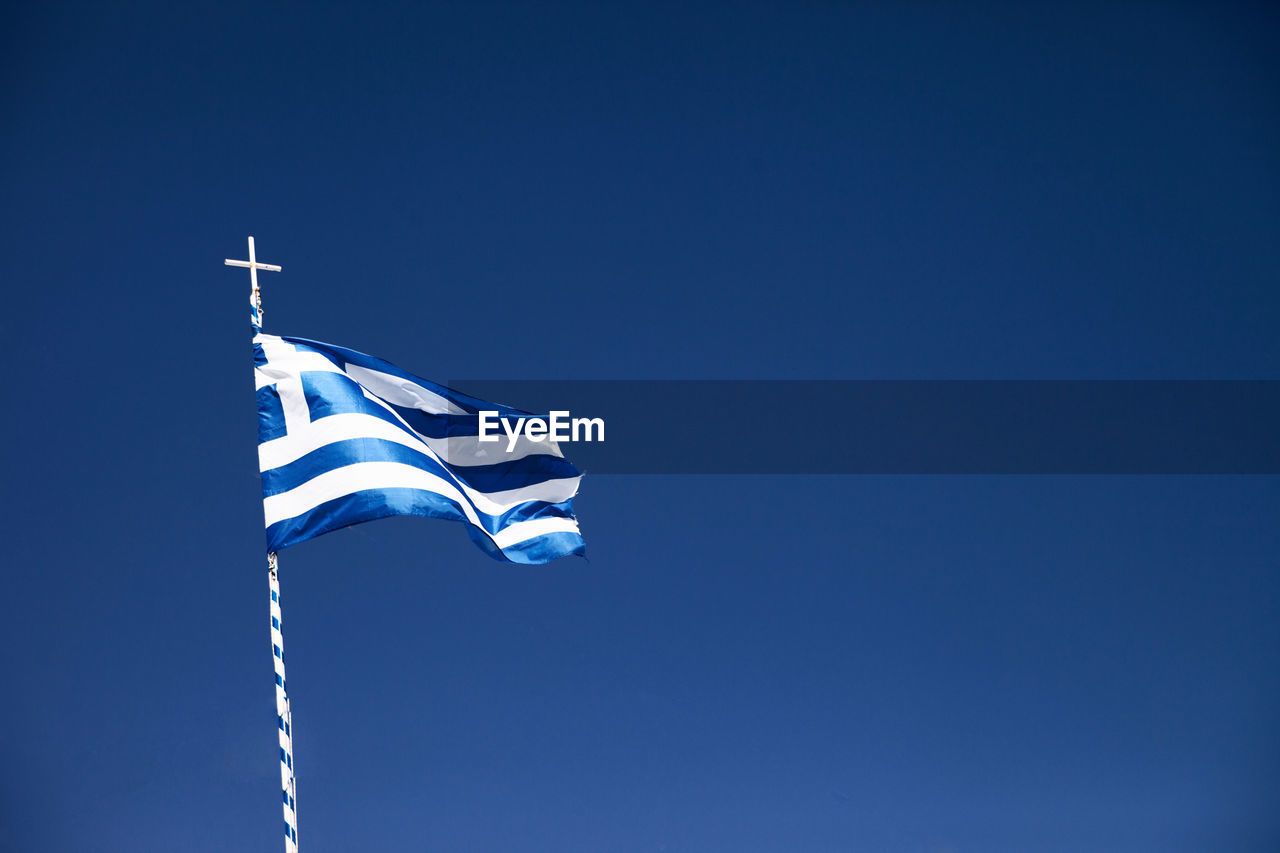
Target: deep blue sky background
{"type": "Point", "coordinates": [799, 190]}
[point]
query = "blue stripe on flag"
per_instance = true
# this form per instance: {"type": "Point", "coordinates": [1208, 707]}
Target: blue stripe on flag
{"type": "Point", "coordinates": [499, 476]}
{"type": "Point", "coordinates": [270, 415]}
{"type": "Point", "coordinates": [330, 394]}
{"type": "Point", "coordinates": [384, 503]}
{"type": "Point", "coordinates": [340, 356]}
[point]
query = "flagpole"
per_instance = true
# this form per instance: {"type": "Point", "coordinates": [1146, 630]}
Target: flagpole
{"type": "Point", "coordinates": [284, 719]}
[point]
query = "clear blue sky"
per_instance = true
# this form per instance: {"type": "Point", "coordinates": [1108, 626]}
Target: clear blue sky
{"type": "Point", "coordinates": [747, 664]}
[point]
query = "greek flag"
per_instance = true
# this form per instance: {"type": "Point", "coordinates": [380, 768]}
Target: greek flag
{"type": "Point", "coordinates": [344, 437]}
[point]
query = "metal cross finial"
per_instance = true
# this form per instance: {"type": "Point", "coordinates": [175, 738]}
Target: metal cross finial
{"type": "Point", "coordinates": [253, 266]}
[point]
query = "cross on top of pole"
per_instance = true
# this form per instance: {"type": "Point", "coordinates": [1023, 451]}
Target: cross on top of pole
{"type": "Point", "coordinates": [253, 266]}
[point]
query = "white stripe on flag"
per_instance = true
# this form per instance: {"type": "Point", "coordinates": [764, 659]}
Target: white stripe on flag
{"type": "Point", "coordinates": [460, 450]}
{"type": "Point", "coordinates": [401, 392]}
{"type": "Point", "coordinates": [340, 482]}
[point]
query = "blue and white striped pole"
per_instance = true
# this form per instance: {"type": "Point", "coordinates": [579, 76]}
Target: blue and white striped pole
{"type": "Point", "coordinates": [284, 721]}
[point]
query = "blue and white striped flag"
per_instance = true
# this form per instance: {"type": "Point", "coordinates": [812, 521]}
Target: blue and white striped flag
{"type": "Point", "coordinates": [344, 437]}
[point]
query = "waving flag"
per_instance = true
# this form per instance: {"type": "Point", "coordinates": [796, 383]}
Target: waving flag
{"type": "Point", "coordinates": [344, 437]}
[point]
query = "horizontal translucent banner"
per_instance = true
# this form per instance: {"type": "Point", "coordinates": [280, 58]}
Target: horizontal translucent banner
{"type": "Point", "coordinates": [911, 427]}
